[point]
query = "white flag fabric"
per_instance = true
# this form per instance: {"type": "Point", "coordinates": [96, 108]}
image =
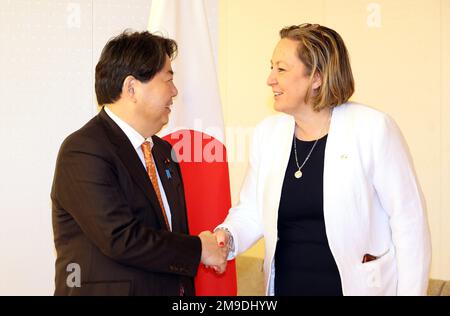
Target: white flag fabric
{"type": "Point", "coordinates": [198, 102]}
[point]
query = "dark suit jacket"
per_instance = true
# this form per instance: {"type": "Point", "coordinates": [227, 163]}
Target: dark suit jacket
{"type": "Point", "coordinates": [107, 219]}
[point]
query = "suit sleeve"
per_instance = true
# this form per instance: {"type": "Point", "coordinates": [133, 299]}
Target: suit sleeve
{"type": "Point", "coordinates": [400, 195]}
{"type": "Point", "coordinates": [86, 185]}
{"type": "Point", "coordinates": [244, 220]}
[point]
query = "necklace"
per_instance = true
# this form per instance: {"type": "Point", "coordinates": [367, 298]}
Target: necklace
{"type": "Point", "coordinates": [298, 174]}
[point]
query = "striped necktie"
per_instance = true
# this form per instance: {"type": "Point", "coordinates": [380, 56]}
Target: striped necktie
{"type": "Point", "coordinates": [151, 170]}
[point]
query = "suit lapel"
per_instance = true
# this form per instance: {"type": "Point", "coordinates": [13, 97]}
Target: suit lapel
{"type": "Point", "coordinates": [132, 163]}
{"type": "Point", "coordinates": [170, 180]}
{"type": "Point", "coordinates": [338, 173]}
{"type": "Point", "coordinates": [276, 159]}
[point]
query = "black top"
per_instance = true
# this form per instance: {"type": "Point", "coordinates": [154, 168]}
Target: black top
{"type": "Point", "coordinates": [304, 264]}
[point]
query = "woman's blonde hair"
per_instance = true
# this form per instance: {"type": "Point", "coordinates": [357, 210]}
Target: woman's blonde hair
{"type": "Point", "coordinates": [323, 52]}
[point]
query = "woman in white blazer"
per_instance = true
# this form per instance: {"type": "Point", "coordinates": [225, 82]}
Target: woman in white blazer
{"type": "Point", "coordinates": [330, 185]}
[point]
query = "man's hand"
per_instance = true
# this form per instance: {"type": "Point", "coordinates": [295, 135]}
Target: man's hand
{"type": "Point", "coordinates": [213, 255]}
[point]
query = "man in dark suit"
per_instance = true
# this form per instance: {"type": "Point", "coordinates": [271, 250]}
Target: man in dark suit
{"type": "Point", "coordinates": [119, 214]}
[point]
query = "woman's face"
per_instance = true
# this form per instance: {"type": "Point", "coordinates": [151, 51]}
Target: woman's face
{"type": "Point", "coordinates": [288, 77]}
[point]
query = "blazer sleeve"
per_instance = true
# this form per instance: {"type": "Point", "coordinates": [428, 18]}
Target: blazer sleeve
{"type": "Point", "coordinates": [86, 185]}
{"type": "Point", "coordinates": [244, 220]}
{"type": "Point", "coordinates": [398, 189]}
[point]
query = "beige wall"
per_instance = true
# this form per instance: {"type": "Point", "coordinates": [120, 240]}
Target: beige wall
{"type": "Point", "coordinates": [400, 55]}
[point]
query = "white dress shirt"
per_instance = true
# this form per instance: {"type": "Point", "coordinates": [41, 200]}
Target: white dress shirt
{"type": "Point", "coordinates": [137, 140]}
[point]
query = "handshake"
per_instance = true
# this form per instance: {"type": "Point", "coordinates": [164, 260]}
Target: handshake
{"type": "Point", "coordinates": [215, 249]}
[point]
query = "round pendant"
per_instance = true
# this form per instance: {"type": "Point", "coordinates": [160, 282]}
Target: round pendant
{"type": "Point", "coordinates": [298, 174]}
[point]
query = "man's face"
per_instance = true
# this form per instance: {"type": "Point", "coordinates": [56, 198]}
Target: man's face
{"type": "Point", "coordinates": [154, 98]}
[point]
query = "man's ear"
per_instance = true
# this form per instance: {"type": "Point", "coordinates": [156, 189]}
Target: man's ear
{"type": "Point", "coordinates": [316, 81]}
{"type": "Point", "coordinates": [129, 87]}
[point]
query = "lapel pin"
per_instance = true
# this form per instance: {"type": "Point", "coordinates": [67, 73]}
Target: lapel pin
{"type": "Point", "coordinates": [168, 175]}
